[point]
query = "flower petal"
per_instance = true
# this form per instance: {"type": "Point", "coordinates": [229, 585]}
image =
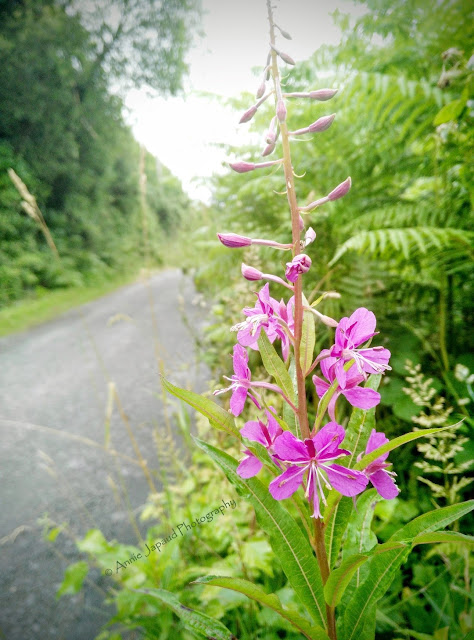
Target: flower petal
{"type": "Point", "coordinates": [240, 362]}
{"type": "Point", "coordinates": [385, 484]}
{"type": "Point", "coordinates": [252, 430]}
{"type": "Point", "coordinates": [288, 447]}
{"type": "Point", "coordinates": [328, 439]}
{"type": "Point", "coordinates": [274, 428]}
{"type": "Point", "coordinates": [237, 401]}
{"type": "Point", "coordinates": [377, 355]}
{"type": "Point", "coordinates": [287, 483]}
{"type": "Point", "coordinates": [349, 482]}
{"type": "Point", "coordinates": [321, 386]}
{"type": "Point", "coordinates": [362, 398]}
{"type": "Point", "coordinates": [250, 466]}
{"type": "Point", "coordinates": [376, 440]}
{"type": "Point", "coordinates": [361, 326]}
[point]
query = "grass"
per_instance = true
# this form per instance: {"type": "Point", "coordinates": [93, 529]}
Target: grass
{"type": "Point", "coordinates": [46, 305]}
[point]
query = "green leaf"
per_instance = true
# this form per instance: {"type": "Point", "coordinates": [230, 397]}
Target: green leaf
{"type": "Point", "coordinates": [288, 414]}
{"type": "Point", "coordinates": [340, 577]}
{"type": "Point", "coordinates": [452, 110]}
{"type": "Point", "coordinates": [339, 512]}
{"type": "Point", "coordinates": [360, 537]}
{"type": "Point", "coordinates": [217, 416]}
{"type": "Point", "coordinates": [275, 366]}
{"type": "Point", "coordinates": [201, 624]}
{"type": "Point", "coordinates": [308, 339]}
{"type": "Point", "coordinates": [382, 570]}
{"type": "Point", "coordinates": [271, 600]}
{"type": "Point", "coordinates": [443, 536]}
{"type": "Point", "coordinates": [432, 521]}
{"type": "Point", "coordinates": [288, 541]}
{"type": "Point", "coordinates": [397, 442]}
{"type": "Point", "coordinates": [74, 577]}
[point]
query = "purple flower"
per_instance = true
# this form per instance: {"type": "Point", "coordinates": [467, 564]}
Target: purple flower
{"type": "Point", "coordinates": [240, 382]}
{"type": "Point", "coordinates": [257, 431]}
{"type": "Point", "coordinates": [262, 316]}
{"type": "Point", "coordinates": [315, 457]}
{"type": "Point", "coordinates": [300, 264]}
{"type": "Point", "coordinates": [234, 240]}
{"type": "Point", "coordinates": [359, 397]}
{"type": "Point", "coordinates": [350, 334]}
{"type": "Point", "coordinates": [376, 472]}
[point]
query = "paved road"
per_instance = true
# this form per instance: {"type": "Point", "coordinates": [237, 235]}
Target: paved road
{"type": "Point", "coordinates": [54, 381]}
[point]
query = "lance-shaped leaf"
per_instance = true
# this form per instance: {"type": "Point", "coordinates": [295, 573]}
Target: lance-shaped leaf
{"type": "Point", "coordinates": [432, 521]}
{"type": "Point", "coordinates": [382, 570]}
{"type": "Point", "coordinates": [340, 577]}
{"type": "Point", "coordinates": [443, 536]}
{"type": "Point", "coordinates": [308, 339]}
{"type": "Point", "coordinates": [397, 442]}
{"type": "Point", "coordinates": [275, 366]}
{"type": "Point", "coordinates": [201, 624]}
{"type": "Point", "coordinates": [217, 416]}
{"type": "Point", "coordinates": [339, 513]}
{"type": "Point", "coordinates": [286, 538]}
{"type": "Point", "coordinates": [271, 600]}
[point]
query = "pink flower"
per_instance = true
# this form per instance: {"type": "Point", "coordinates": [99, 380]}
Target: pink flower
{"type": "Point", "coordinates": [262, 316]}
{"type": "Point", "coordinates": [350, 334]}
{"type": "Point", "coordinates": [240, 382]}
{"type": "Point", "coordinates": [376, 472]}
{"type": "Point", "coordinates": [257, 431]}
{"type": "Point", "coordinates": [359, 397]}
{"type": "Point", "coordinates": [300, 264]}
{"type": "Point", "coordinates": [233, 240]}
{"type": "Point", "coordinates": [314, 457]}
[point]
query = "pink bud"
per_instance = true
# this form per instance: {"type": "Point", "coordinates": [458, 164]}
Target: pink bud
{"type": "Point", "coordinates": [300, 264]}
{"type": "Point", "coordinates": [281, 110]}
{"type": "Point", "coordinates": [272, 132]}
{"type": "Point", "coordinates": [321, 124]}
{"type": "Point", "coordinates": [249, 114]}
{"type": "Point", "coordinates": [242, 167]}
{"type": "Point", "coordinates": [284, 56]}
{"type": "Point", "coordinates": [250, 273]}
{"type": "Point", "coordinates": [233, 240]}
{"type": "Point", "coordinates": [301, 222]}
{"type": "Point", "coordinates": [341, 189]}
{"type": "Point", "coordinates": [323, 94]}
{"type": "Point", "coordinates": [261, 89]}
{"type": "Point", "coordinates": [309, 236]}
{"type": "Point", "coordinates": [270, 148]}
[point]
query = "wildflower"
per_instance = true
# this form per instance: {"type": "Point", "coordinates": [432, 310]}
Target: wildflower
{"type": "Point", "coordinates": [319, 94]}
{"type": "Point", "coordinates": [350, 334]}
{"type": "Point", "coordinates": [235, 241]}
{"type": "Point", "coordinates": [336, 193]}
{"type": "Point", "coordinates": [240, 382]}
{"type": "Point", "coordinates": [262, 316]}
{"type": "Point", "coordinates": [376, 472]}
{"type": "Point", "coordinates": [250, 273]}
{"type": "Point", "coordinates": [300, 264]}
{"type": "Point", "coordinates": [257, 431]}
{"type": "Point", "coordinates": [244, 167]}
{"type": "Point", "coordinates": [314, 457]}
{"type": "Point", "coordinates": [359, 397]}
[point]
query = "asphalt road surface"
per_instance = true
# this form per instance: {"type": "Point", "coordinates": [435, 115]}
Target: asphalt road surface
{"type": "Point", "coordinates": [54, 384]}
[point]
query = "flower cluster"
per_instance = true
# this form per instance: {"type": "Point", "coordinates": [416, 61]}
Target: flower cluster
{"type": "Point", "coordinates": [311, 458]}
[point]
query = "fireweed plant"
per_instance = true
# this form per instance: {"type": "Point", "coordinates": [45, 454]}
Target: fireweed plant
{"type": "Point", "coordinates": [320, 468]}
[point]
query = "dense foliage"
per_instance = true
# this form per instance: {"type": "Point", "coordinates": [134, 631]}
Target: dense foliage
{"type": "Point", "coordinates": [62, 131]}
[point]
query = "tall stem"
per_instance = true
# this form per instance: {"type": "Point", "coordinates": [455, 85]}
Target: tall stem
{"type": "Point", "coordinates": [321, 555]}
{"type": "Point", "coordinates": [295, 227]}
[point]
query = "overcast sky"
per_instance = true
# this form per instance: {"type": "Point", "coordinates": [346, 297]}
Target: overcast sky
{"type": "Point", "coordinates": [182, 133]}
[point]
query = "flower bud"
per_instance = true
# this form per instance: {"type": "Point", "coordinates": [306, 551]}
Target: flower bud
{"type": "Point", "coordinates": [300, 264]}
{"type": "Point", "coordinates": [309, 236]}
{"type": "Point", "coordinates": [242, 167]}
{"type": "Point", "coordinates": [249, 114]}
{"type": "Point", "coordinates": [340, 190]}
{"type": "Point", "coordinates": [322, 124]}
{"type": "Point", "coordinates": [281, 110]}
{"type": "Point", "coordinates": [284, 56]}
{"type": "Point", "coordinates": [301, 223]}
{"type": "Point", "coordinates": [233, 240]}
{"type": "Point", "coordinates": [322, 94]}
{"type": "Point", "coordinates": [250, 273]}
{"type": "Point", "coordinates": [272, 132]}
{"type": "Point", "coordinates": [261, 89]}
{"type": "Point", "coordinates": [270, 148]}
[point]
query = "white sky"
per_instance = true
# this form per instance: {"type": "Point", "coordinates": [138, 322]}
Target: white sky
{"type": "Point", "coordinates": [183, 132]}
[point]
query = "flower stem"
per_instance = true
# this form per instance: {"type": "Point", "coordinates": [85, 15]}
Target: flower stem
{"type": "Point", "coordinates": [322, 558]}
{"type": "Point", "coordinates": [295, 227]}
